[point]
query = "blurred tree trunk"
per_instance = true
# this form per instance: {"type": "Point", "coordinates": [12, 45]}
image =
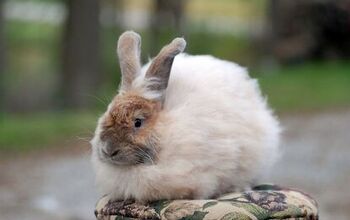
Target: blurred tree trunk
{"type": "Point", "coordinates": [272, 15]}
{"type": "Point", "coordinates": [2, 59]}
{"type": "Point", "coordinates": [168, 17]}
{"type": "Point", "coordinates": [80, 53]}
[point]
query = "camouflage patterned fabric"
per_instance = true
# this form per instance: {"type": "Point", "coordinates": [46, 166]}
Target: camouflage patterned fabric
{"type": "Point", "coordinates": [262, 202]}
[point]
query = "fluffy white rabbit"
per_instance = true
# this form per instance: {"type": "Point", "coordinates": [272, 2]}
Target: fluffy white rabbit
{"type": "Point", "coordinates": [188, 126]}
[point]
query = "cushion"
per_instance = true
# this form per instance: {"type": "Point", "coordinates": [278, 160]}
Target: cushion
{"type": "Point", "coordinates": [262, 202]}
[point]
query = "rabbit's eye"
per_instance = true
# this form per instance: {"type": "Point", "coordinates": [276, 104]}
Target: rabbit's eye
{"type": "Point", "coordinates": [137, 122]}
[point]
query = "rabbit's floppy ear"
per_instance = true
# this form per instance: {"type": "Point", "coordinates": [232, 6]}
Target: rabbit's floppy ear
{"type": "Point", "coordinates": [159, 70]}
{"type": "Point", "coordinates": [128, 51]}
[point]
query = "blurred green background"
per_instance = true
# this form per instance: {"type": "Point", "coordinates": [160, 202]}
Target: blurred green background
{"type": "Point", "coordinates": [58, 68]}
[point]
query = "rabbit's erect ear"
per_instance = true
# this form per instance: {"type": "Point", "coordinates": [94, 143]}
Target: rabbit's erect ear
{"type": "Point", "coordinates": [159, 70]}
{"type": "Point", "coordinates": [128, 50]}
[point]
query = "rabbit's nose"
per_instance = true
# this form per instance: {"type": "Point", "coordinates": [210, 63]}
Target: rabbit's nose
{"type": "Point", "coordinates": [110, 150]}
{"type": "Point", "coordinates": [110, 153]}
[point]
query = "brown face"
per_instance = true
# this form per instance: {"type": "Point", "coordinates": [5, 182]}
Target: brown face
{"type": "Point", "coordinates": [128, 131]}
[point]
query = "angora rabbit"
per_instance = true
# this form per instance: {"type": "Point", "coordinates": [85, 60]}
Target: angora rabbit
{"type": "Point", "coordinates": [181, 127]}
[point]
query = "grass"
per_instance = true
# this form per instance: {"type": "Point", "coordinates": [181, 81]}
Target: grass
{"type": "Point", "coordinates": [308, 87]}
{"type": "Point", "coordinates": [20, 133]}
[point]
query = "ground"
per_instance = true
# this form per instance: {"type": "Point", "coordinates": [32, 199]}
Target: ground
{"type": "Point", "coordinates": [58, 184]}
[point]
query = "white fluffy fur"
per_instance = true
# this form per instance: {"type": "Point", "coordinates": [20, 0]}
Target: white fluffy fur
{"type": "Point", "coordinates": [216, 134]}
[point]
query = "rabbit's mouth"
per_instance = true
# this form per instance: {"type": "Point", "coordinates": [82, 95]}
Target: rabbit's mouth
{"type": "Point", "coordinates": [129, 156]}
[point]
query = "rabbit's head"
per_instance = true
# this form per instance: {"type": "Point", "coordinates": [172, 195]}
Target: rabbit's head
{"type": "Point", "coordinates": [125, 134]}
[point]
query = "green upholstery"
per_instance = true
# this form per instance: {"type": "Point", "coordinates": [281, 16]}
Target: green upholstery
{"type": "Point", "coordinates": [262, 202]}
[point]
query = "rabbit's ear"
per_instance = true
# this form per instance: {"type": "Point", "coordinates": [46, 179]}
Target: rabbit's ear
{"type": "Point", "coordinates": [128, 50]}
{"type": "Point", "coordinates": [159, 70]}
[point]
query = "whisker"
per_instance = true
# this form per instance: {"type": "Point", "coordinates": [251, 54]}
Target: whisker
{"type": "Point", "coordinates": [152, 143]}
{"type": "Point", "coordinates": [145, 154]}
{"type": "Point", "coordinates": [87, 139]}
{"type": "Point", "coordinates": [99, 99]}
{"type": "Point", "coordinates": [107, 99]}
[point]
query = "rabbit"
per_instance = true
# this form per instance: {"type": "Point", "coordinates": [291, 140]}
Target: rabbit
{"type": "Point", "coordinates": [182, 127]}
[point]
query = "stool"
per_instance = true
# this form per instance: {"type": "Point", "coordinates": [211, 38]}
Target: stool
{"type": "Point", "coordinates": [261, 203]}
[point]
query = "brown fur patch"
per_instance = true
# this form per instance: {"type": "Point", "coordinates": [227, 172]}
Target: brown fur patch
{"type": "Point", "coordinates": [118, 126]}
{"type": "Point", "coordinates": [128, 107]}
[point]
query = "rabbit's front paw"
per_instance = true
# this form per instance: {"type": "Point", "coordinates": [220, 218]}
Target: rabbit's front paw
{"type": "Point", "coordinates": [129, 208]}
